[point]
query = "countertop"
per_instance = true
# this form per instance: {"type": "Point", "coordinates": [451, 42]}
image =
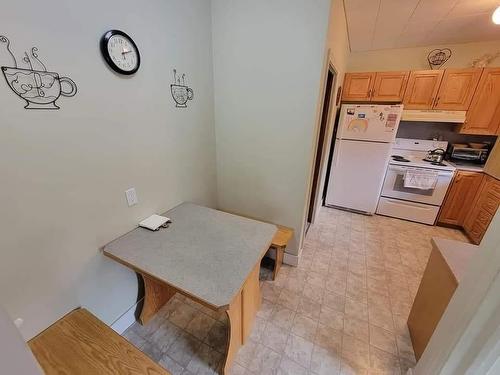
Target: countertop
{"type": "Point", "coordinates": [470, 167]}
{"type": "Point", "coordinates": [457, 254]}
{"type": "Point", "coordinates": [204, 252]}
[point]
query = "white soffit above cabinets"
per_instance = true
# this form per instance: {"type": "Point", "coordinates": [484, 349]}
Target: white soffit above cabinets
{"type": "Point", "coordinates": [381, 24]}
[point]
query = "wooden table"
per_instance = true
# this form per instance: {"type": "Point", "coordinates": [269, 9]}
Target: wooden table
{"type": "Point", "coordinates": [207, 255]}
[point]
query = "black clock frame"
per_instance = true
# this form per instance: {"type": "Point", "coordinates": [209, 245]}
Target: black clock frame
{"type": "Point", "coordinates": [104, 50]}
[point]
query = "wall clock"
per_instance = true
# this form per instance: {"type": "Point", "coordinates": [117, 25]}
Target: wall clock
{"type": "Point", "coordinates": [120, 52]}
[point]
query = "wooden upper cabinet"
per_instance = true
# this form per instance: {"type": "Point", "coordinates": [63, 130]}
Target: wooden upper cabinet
{"type": "Point", "coordinates": [458, 202]}
{"type": "Point", "coordinates": [483, 116]}
{"type": "Point", "coordinates": [389, 86]}
{"type": "Point", "coordinates": [358, 87]}
{"type": "Point", "coordinates": [457, 89]}
{"type": "Point", "coordinates": [421, 91]}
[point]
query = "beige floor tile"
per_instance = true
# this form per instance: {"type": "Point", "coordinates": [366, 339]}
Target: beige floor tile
{"type": "Point", "coordinates": [334, 301]}
{"type": "Point", "coordinates": [289, 367]}
{"type": "Point", "coordinates": [331, 318]}
{"type": "Point", "coordinates": [289, 299]}
{"type": "Point", "coordinates": [258, 328]}
{"type": "Point", "coordinates": [265, 361]}
{"type": "Point", "coordinates": [316, 279]}
{"type": "Point", "coordinates": [246, 353]}
{"type": "Point", "coordinates": [383, 339]}
{"type": "Point", "coordinates": [325, 362]}
{"type": "Point", "coordinates": [337, 284]}
{"type": "Point", "coordinates": [266, 309]}
{"type": "Point", "coordinates": [309, 308]}
{"type": "Point", "coordinates": [299, 350]}
{"type": "Point", "coordinates": [355, 352]}
{"type": "Point", "coordinates": [270, 291]}
{"type": "Point", "coordinates": [356, 328]}
{"type": "Point", "coordinates": [236, 369]}
{"type": "Point", "coordinates": [313, 293]}
{"type": "Point", "coordinates": [304, 327]}
{"type": "Point", "coordinates": [328, 338]}
{"type": "Point", "coordinates": [275, 337]}
{"type": "Point", "coordinates": [356, 309]}
{"type": "Point", "coordinates": [380, 317]}
{"type": "Point", "coordinates": [183, 315]}
{"type": "Point", "coordinates": [282, 317]}
{"type": "Point", "coordinates": [384, 362]}
{"type": "Point", "coordinates": [200, 325]}
{"type": "Point", "coordinates": [183, 348]}
{"type": "Point", "coordinates": [205, 361]}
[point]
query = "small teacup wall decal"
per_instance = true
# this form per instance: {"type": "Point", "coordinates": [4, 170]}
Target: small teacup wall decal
{"type": "Point", "coordinates": [37, 86]}
{"type": "Point", "coordinates": [181, 93]}
{"type": "Point", "coordinates": [438, 57]}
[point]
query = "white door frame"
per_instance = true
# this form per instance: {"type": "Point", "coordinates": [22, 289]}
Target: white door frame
{"type": "Point", "coordinates": [467, 338]}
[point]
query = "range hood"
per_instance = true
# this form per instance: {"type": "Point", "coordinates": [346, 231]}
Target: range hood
{"type": "Point", "coordinates": [429, 115]}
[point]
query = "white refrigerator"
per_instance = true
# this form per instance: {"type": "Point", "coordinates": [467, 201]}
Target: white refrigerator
{"type": "Point", "coordinates": [365, 135]}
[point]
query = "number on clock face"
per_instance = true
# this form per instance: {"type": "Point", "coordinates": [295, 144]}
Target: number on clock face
{"type": "Point", "coordinates": [122, 52]}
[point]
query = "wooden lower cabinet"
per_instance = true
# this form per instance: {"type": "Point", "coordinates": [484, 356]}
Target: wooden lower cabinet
{"type": "Point", "coordinates": [460, 196]}
{"type": "Point", "coordinates": [484, 207]}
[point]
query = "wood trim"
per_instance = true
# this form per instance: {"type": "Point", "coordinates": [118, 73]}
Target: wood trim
{"type": "Point", "coordinates": [156, 295]}
{"type": "Point", "coordinates": [251, 300]}
{"type": "Point", "coordinates": [234, 333]}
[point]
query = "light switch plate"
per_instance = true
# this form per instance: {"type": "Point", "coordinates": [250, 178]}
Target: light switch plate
{"type": "Point", "coordinates": [131, 197]}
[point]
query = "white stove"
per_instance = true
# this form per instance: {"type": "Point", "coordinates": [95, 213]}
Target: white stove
{"type": "Point", "coordinates": [422, 203]}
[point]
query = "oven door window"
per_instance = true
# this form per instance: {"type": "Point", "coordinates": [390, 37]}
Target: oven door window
{"type": "Point", "coordinates": [399, 185]}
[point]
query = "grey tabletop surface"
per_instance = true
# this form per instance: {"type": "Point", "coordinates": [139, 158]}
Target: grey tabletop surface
{"type": "Point", "coordinates": [457, 254]}
{"type": "Point", "coordinates": [204, 252]}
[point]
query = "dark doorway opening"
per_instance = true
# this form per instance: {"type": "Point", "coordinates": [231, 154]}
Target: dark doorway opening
{"type": "Point", "coordinates": [323, 130]}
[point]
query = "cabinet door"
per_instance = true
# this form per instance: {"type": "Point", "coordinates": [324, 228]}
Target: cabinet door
{"type": "Point", "coordinates": [422, 89]}
{"type": "Point", "coordinates": [483, 116]}
{"type": "Point", "coordinates": [484, 208]}
{"type": "Point", "coordinates": [457, 89]}
{"type": "Point", "coordinates": [358, 87]}
{"type": "Point", "coordinates": [389, 86]}
{"type": "Point", "coordinates": [459, 199]}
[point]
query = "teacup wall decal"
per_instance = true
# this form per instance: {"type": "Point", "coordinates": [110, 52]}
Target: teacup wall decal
{"type": "Point", "coordinates": [38, 87]}
{"type": "Point", "coordinates": [181, 93]}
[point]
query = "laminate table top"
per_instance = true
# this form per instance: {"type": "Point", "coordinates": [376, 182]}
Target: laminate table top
{"type": "Point", "coordinates": [204, 252]}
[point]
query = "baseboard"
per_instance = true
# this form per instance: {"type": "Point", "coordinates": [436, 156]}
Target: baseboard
{"type": "Point", "coordinates": [121, 324]}
{"type": "Point", "coordinates": [292, 260]}
{"type": "Point", "coordinates": [409, 372]}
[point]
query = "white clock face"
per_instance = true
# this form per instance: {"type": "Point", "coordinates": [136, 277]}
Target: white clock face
{"type": "Point", "coordinates": [122, 53]}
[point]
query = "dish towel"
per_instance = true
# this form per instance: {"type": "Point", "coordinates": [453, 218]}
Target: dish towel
{"type": "Point", "coordinates": [420, 179]}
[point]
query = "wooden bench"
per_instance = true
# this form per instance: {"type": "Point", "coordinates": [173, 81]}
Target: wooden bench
{"type": "Point", "coordinates": [280, 241]}
{"type": "Point", "coordinates": [80, 344]}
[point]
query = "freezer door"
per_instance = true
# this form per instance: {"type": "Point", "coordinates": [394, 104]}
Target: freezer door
{"type": "Point", "coordinates": [356, 175]}
{"type": "Point", "coordinates": [378, 123]}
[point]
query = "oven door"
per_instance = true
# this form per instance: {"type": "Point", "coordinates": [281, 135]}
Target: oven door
{"type": "Point", "coordinates": [394, 186]}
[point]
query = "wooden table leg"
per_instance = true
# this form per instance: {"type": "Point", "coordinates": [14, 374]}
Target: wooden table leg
{"type": "Point", "coordinates": [241, 316]}
{"type": "Point", "coordinates": [280, 253]}
{"type": "Point", "coordinates": [156, 294]}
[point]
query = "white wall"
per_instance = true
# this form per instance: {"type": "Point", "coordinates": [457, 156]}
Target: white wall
{"type": "Point", "coordinates": [416, 58]}
{"type": "Point", "coordinates": [268, 57]}
{"type": "Point", "coordinates": [64, 173]}
{"type": "Point", "coordinates": [337, 55]}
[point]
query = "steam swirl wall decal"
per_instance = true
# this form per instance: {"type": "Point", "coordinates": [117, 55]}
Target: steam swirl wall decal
{"type": "Point", "coordinates": [180, 91]}
{"type": "Point", "coordinates": [37, 86]}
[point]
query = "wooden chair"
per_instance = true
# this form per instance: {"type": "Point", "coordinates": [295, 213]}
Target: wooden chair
{"type": "Point", "coordinates": [80, 344]}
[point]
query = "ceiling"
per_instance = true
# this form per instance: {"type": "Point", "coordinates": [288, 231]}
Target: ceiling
{"type": "Point", "coordinates": [381, 24]}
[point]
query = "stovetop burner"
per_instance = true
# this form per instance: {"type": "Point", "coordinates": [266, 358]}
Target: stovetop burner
{"type": "Point", "coordinates": [400, 158]}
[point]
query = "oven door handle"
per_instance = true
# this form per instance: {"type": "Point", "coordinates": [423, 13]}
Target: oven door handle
{"type": "Point", "coordinates": [402, 170]}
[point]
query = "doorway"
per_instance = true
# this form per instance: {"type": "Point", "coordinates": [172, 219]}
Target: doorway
{"type": "Point", "coordinates": [323, 131]}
